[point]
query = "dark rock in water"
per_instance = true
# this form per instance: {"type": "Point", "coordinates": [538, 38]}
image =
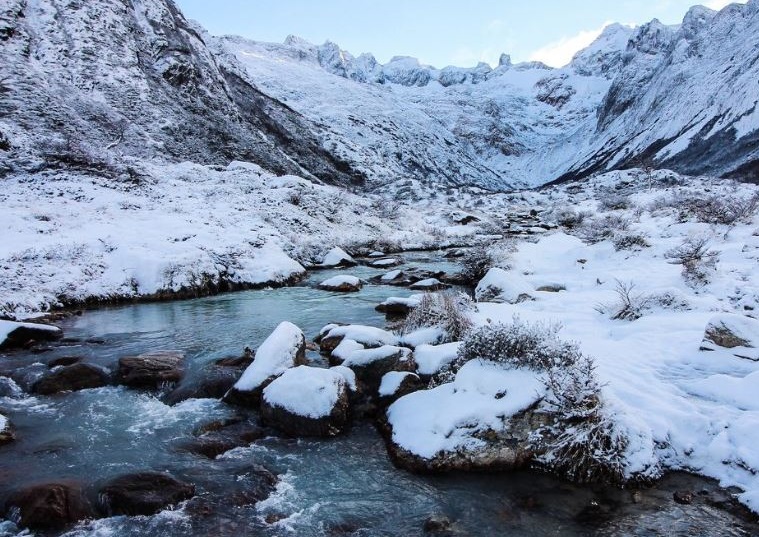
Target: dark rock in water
{"type": "Point", "coordinates": [71, 378]}
{"type": "Point", "coordinates": [64, 360]}
{"type": "Point", "coordinates": [683, 497]}
{"type": "Point", "coordinates": [437, 524]}
{"type": "Point", "coordinates": [150, 370]}
{"type": "Point", "coordinates": [237, 361]}
{"type": "Point", "coordinates": [9, 388]}
{"type": "Point", "coordinates": [255, 484]}
{"type": "Point", "coordinates": [213, 382]}
{"type": "Point", "coordinates": [27, 335]}
{"type": "Point", "coordinates": [49, 506]}
{"type": "Point", "coordinates": [217, 440]}
{"type": "Point", "coordinates": [143, 493]}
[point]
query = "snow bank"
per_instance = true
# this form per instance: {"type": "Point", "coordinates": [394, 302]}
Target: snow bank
{"type": "Point", "coordinates": [306, 391]}
{"type": "Point", "coordinates": [500, 285]}
{"type": "Point", "coordinates": [283, 349]}
{"type": "Point", "coordinates": [432, 358]}
{"type": "Point", "coordinates": [447, 418]}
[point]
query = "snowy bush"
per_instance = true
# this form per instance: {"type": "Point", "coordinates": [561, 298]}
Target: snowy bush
{"type": "Point", "coordinates": [600, 228]}
{"type": "Point", "coordinates": [477, 261]}
{"type": "Point", "coordinates": [448, 310]}
{"type": "Point", "coordinates": [613, 202]}
{"type": "Point", "coordinates": [628, 305]}
{"type": "Point", "coordinates": [630, 241]}
{"type": "Point", "coordinates": [696, 257]}
{"type": "Point", "coordinates": [569, 218]}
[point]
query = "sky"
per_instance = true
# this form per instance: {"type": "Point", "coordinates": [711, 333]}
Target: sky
{"type": "Point", "coordinates": [438, 32]}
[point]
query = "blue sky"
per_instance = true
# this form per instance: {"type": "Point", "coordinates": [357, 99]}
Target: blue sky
{"type": "Point", "coordinates": [438, 32]}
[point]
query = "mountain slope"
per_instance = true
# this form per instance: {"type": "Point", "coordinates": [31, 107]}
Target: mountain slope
{"type": "Point", "coordinates": [93, 84]}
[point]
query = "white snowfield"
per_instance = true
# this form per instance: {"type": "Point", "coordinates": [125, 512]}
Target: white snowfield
{"type": "Point", "coordinates": [687, 408]}
{"type": "Point", "coordinates": [446, 418]}
{"type": "Point", "coordinates": [273, 357]}
{"type": "Point", "coordinates": [306, 391]}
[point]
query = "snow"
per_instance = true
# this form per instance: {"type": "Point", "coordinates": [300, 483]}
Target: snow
{"type": "Point", "coordinates": [446, 418]}
{"type": "Point", "coordinates": [348, 375]}
{"type": "Point", "coordinates": [393, 274]}
{"type": "Point", "coordinates": [388, 262]}
{"type": "Point", "coordinates": [369, 336]}
{"type": "Point", "coordinates": [7, 327]}
{"type": "Point", "coordinates": [410, 302]}
{"type": "Point", "coordinates": [392, 381]}
{"type": "Point", "coordinates": [501, 285]}
{"type": "Point", "coordinates": [336, 256]}
{"type": "Point", "coordinates": [273, 357]}
{"type": "Point", "coordinates": [337, 281]}
{"type": "Point", "coordinates": [306, 391]}
{"type": "Point", "coordinates": [346, 348]}
{"type": "Point", "coordinates": [429, 283]}
{"type": "Point", "coordinates": [428, 335]}
{"type": "Point", "coordinates": [431, 358]}
{"type": "Point", "coordinates": [363, 357]}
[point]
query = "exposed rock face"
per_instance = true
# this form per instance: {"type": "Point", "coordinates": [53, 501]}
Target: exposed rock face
{"type": "Point", "coordinates": [143, 493]}
{"type": "Point", "coordinates": [284, 348]}
{"type": "Point", "coordinates": [150, 370]}
{"type": "Point", "coordinates": [71, 378]}
{"type": "Point", "coordinates": [307, 401]}
{"type": "Point", "coordinates": [736, 333]}
{"type": "Point", "coordinates": [49, 506]}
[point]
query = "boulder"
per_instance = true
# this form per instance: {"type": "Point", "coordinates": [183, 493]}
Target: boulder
{"type": "Point", "coordinates": [396, 306]}
{"type": "Point", "coordinates": [6, 431]}
{"type": "Point", "coordinates": [500, 285]}
{"type": "Point", "coordinates": [150, 370]}
{"type": "Point", "coordinates": [368, 336]}
{"type": "Point", "coordinates": [406, 278]}
{"type": "Point", "coordinates": [396, 384]}
{"type": "Point", "coordinates": [143, 493]}
{"type": "Point", "coordinates": [48, 506]}
{"type": "Point", "coordinates": [370, 365]}
{"type": "Point", "coordinates": [307, 401]}
{"type": "Point", "coordinates": [736, 333]}
{"type": "Point", "coordinates": [284, 348]}
{"type": "Point", "coordinates": [341, 284]}
{"type": "Point", "coordinates": [15, 335]}
{"type": "Point", "coordinates": [386, 262]}
{"type": "Point", "coordinates": [219, 437]}
{"type": "Point", "coordinates": [71, 378]}
{"type": "Point", "coordinates": [480, 421]}
{"type": "Point", "coordinates": [430, 284]}
{"type": "Point", "coordinates": [337, 257]}
{"type": "Point", "coordinates": [64, 360]}
{"type": "Point", "coordinates": [211, 382]}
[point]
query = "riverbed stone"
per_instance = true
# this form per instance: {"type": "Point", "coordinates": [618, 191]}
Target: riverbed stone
{"type": "Point", "coordinates": [49, 506]}
{"type": "Point", "coordinates": [26, 335]}
{"type": "Point", "coordinates": [71, 378]}
{"type": "Point", "coordinates": [64, 360]}
{"type": "Point", "coordinates": [215, 439]}
{"type": "Point", "coordinates": [144, 493]}
{"type": "Point", "coordinates": [307, 401]}
{"type": "Point", "coordinates": [370, 365]}
{"type": "Point", "coordinates": [151, 370]}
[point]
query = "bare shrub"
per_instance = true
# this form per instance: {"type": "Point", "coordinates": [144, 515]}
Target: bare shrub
{"type": "Point", "coordinates": [597, 229]}
{"type": "Point", "coordinates": [629, 305]}
{"type": "Point", "coordinates": [630, 241]}
{"type": "Point", "coordinates": [719, 209]}
{"type": "Point", "coordinates": [570, 219]}
{"type": "Point", "coordinates": [696, 257]}
{"type": "Point", "coordinates": [476, 261]}
{"type": "Point", "coordinates": [613, 202]}
{"type": "Point", "coordinates": [448, 310]}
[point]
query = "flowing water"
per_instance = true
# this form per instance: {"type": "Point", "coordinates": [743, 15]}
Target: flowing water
{"type": "Point", "coordinates": [342, 486]}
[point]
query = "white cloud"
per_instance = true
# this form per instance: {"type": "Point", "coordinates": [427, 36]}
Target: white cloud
{"type": "Point", "coordinates": [559, 53]}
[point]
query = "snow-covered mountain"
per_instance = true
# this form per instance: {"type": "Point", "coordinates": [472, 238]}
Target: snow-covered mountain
{"type": "Point", "coordinates": [100, 84]}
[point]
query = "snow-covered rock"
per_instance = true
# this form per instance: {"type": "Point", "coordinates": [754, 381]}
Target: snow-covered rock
{"type": "Point", "coordinates": [307, 401]}
{"type": "Point", "coordinates": [396, 384]}
{"type": "Point", "coordinates": [15, 335]}
{"type": "Point", "coordinates": [444, 428]}
{"type": "Point", "coordinates": [370, 365]}
{"type": "Point", "coordinates": [736, 333]}
{"type": "Point", "coordinates": [432, 358]}
{"type": "Point", "coordinates": [501, 285]}
{"type": "Point", "coordinates": [284, 348]}
{"type": "Point", "coordinates": [368, 336]}
{"type": "Point", "coordinates": [341, 284]}
{"type": "Point", "coordinates": [429, 284]}
{"type": "Point", "coordinates": [396, 305]}
{"type": "Point", "coordinates": [337, 257]}
{"type": "Point", "coordinates": [386, 262]}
